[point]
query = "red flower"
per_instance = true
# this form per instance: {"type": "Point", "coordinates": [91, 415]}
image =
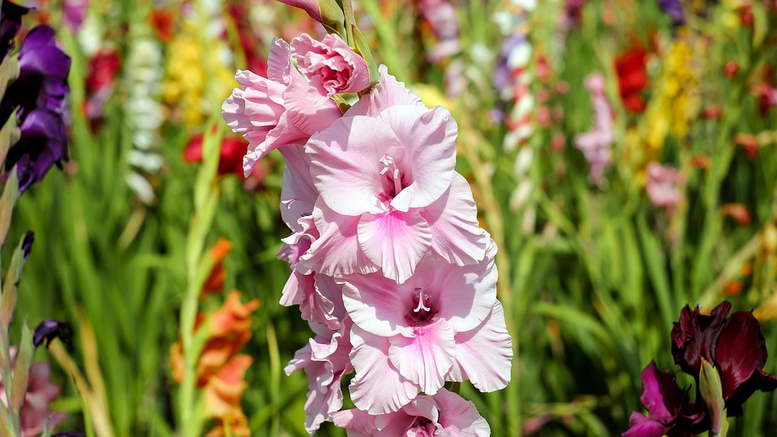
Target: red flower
{"type": "Point", "coordinates": [103, 68]}
{"type": "Point", "coordinates": [230, 159]}
{"type": "Point", "coordinates": [631, 67]}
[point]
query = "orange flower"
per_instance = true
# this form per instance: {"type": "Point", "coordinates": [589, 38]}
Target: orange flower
{"type": "Point", "coordinates": [222, 397]}
{"type": "Point", "coordinates": [217, 276]}
{"type": "Point", "coordinates": [230, 330]}
{"type": "Point", "coordinates": [737, 212]}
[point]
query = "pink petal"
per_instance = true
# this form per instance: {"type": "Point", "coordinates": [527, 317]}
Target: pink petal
{"type": "Point", "coordinates": [467, 293]}
{"type": "Point", "coordinates": [283, 134]}
{"type": "Point", "coordinates": [456, 233]}
{"type": "Point", "coordinates": [309, 6]}
{"type": "Point", "coordinates": [387, 93]}
{"type": "Point", "coordinates": [298, 194]}
{"type": "Point", "coordinates": [428, 138]}
{"type": "Point", "coordinates": [395, 241]}
{"type": "Point", "coordinates": [377, 388]}
{"type": "Point", "coordinates": [376, 305]}
{"type": "Point", "coordinates": [357, 422]}
{"type": "Point", "coordinates": [307, 109]}
{"type": "Point", "coordinates": [484, 355]}
{"type": "Point", "coordinates": [279, 62]}
{"type": "Point", "coordinates": [344, 163]}
{"type": "Point", "coordinates": [336, 252]}
{"type": "Point", "coordinates": [426, 358]}
{"type": "Point", "coordinates": [459, 417]}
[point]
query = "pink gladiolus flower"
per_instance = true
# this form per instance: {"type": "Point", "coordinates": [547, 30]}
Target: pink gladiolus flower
{"type": "Point", "coordinates": [330, 65]}
{"type": "Point", "coordinates": [325, 361]}
{"type": "Point", "coordinates": [444, 414]}
{"type": "Point", "coordinates": [278, 110]}
{"type": "Point", "coordinates": [444, 323]}
{"type": "Point", "coordinates": [662, 185]}
{"type": "Point", "coordinates": [388, 190]}
{"type": "Point", "coordinates": [595, 144]}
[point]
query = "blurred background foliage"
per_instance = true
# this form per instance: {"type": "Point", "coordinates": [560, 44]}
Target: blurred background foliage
{"type": "Point", "coordinates": [593, 270]}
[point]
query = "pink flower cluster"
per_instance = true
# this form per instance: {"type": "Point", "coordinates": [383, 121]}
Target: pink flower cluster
{"type": "Point", "coordinates": [389, 264]}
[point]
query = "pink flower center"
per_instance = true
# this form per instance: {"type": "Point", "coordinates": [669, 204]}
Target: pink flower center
{"type": "Point", "coordinates": [421, 427]}
{"type": "Point", "coordinates": [392, 178]}
{"type": "Point", "coordinates": [423, 310]}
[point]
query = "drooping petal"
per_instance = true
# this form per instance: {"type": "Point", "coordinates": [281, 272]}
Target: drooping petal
{"type": "Point", "coordinates": [336, 251]}
{"type": "Point", "coordinates": [395, 241]}
{"type": "Point", "coordinates": [377, 388]}
{"type": "Point", "coordinates": [641, 426]}
{"type": "Point", "coordinates": [484, 355]}
{"type": "Point", "coordinates": [345, 163]}
{"type": "Point", "coordinates": [456, 233]}
{"type": "Point", "coordinates": [459, 417]}
{"type": "Point", "coordinates": [428, 137]}
{"type": "Point", "coordinates": [425, 358]}
{"type": "Point", "coordinates": [694, 335]}
{"type": "Point", "coordinates": [358, 423]}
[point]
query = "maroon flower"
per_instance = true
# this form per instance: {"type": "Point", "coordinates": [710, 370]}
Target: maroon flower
{"type": "Point", "coordinates": [694, 336]}
{"type": "Point", "coordinates": [740, 355]}
{"type": "Point", "coordinates": [734, 344]}
{"type": "Point", "coordinates": [230, 159]}
{"type": "Point", "coordinates": [670, 411]}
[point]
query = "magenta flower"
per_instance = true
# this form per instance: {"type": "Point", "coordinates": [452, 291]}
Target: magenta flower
{"type": "Point", "coordinates": [330, 65]}
{"type": "Point", "coordinates": [388, 190]}
{"type": "Point", "coordinates": [278, 110]}
{"type": "Point", "coordinates": [325, 361]}
{"type": "Point", "coordinates": [444, 323]}
{"type": "Point", "coordinates": [670, 410]}
{"type": "Point", "coordinates": [444, 414]}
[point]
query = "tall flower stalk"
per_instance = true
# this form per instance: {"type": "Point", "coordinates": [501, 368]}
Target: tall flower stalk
{"type": "Point", "coordinates": [390, 267]}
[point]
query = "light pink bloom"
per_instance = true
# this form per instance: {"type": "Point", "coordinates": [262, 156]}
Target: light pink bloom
{"type": "Point", "coordinates": [278, 110]}
{"type": "Point", "coordinates": [444, 414]}
{"type": "Point", "coordinates": [330, 65]}
{"type": "Point", "coordinates": [662, 185]}
{"type": "Point", "coordinates": [596, 143]}
{"type": "Point", "coordinates": [388, 190]}
{"type": "Point", "coordinates": [325, 361]}
{"type": "Point", "coordinates": [423, 332]}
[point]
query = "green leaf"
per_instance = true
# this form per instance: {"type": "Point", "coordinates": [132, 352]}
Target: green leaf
{"type": "Point", "coordinates": [21, 371]}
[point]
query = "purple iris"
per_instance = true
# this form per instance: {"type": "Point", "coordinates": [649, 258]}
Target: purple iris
{"type": "Point", "coordinates": [48, 330]}
{"type": "Point", "coordinates": [42, 144]}
{"type": "Point", "coordinates": [674, 9]}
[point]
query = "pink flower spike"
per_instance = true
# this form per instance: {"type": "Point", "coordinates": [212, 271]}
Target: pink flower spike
{"type": "Point", "coordinates": [330, 65]}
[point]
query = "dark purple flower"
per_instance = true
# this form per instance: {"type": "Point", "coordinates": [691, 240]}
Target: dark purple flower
{"type": "Point", "coordinates": [48, 330]}
{"type": "Point", "coordinates": [674, 9]}
{"type": "Point", "coordinates": [42, 81]}
{"type": "Point", "coordinates": [670, 412]}
{"type": "Point", "coordinates": [42, 144]}
{"type": "Point", "coordinates": [10, 23]}
{"type": "Point", "coordinates": [734, 344]}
